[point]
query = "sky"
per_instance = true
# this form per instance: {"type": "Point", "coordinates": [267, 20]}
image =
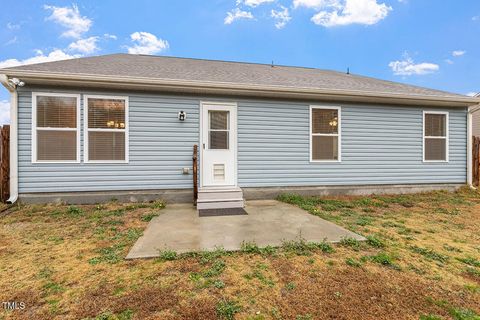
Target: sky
{"type": "Point", "coordinates": [429, 43]}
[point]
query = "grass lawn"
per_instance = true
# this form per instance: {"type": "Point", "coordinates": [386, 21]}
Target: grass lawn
{"type": "Point", "coordinates": [421, 261]}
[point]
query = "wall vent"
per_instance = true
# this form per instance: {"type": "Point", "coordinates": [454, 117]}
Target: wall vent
{"type": "Point", "coordinates": [218, 172]}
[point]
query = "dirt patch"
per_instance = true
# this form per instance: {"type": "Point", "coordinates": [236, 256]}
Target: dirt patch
{"type": "Point", "coordinates": [143, 302]}
{"type": "Point", "coordinates": [347, 293]}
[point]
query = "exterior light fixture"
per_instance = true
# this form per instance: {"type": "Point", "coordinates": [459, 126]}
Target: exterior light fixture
{"type": "Point", "coordinates": [182, 116]}
{"type": "Point", "coordinates": [16, 82]}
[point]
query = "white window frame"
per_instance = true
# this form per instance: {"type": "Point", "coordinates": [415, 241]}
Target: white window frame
{"type": "Point", "coordinates": [35, 128]}
{"type": "Point", "coordinates": [87, 130]}
{"type": "Point", "coordinates": [338, 134]}
{"type": "Point", "coordinates": [446, 137]}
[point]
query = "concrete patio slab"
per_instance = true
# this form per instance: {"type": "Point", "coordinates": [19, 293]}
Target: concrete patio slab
{"type": "Point", "coordinates": [269, 222]}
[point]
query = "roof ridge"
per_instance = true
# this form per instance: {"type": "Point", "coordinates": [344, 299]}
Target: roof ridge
{"type": "Point", "coordinates": [227, 61]}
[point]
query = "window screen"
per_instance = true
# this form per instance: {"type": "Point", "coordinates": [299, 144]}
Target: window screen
{"type": "Point", "coordinates": [325, 139]}
{"type": "Point", "coordinates": [56, 128]}
{"type": "Point", "coordinates": [106, 129]}
{"type": "Point", "coordinates": [218, 129]}
{"type": "Point", "coordinates": [435, 139]}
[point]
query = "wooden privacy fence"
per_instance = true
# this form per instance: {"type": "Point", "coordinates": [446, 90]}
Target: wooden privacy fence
{"type": "Point", "coordinates": [4, 163]}
{"type": "Point", "coordinates": [476, 161]}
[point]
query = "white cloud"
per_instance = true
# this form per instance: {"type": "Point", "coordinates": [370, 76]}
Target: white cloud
{"type": "Point", "coordinates": [55, 55]}
{"type": "Point", "coordinates": [237, 14]}
{"type": "Point", "coordinates": [86, 46]}
{"type": "Point", "coordinates": [11, 41]}
{"type": "Point", "coordinates": [253, 3]}
{"type": "Point", "coordinates": [71, 19]}
{"type": "Point", "coordinates": [408, 67]}
{"type": "Point", "coordinates": [4, 112]}
{"type": "Point", "coordinates": [476, 18]}
{"type": "Point", "coordinates": [472, 94]}
{"type": "Point", "coordinates": [282, 17]}
{"type": "Point", "coordinates": [13, 26]}
{"type": "Point", "coordinates": [458, 53]}
{"type": "Point", "coordinates": [109, 36]}
{"type": "Point", "coordinates": [315, 4]}
{"type": "Point", "coordinates": [345, 12]}
{"type": "Point", "coordinates": [146, 43]}
{"type": "Point", "coordinates": [449, 61]}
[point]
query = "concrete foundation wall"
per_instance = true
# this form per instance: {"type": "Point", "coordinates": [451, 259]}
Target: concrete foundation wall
{"type": "Point", "coordinates": [186, 195]}
{"type": "Point", "coordinates": [272, 193]}
{"type": "Point", "coordinates": [170, 196]}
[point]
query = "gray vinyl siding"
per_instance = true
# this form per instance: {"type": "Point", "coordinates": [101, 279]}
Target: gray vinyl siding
{"type": "Point", "coordinates": [476, 123]}
{"type": "Point", "coordinates": [160, 146]}
{"type": "Point", "coordinates": [380, 145]}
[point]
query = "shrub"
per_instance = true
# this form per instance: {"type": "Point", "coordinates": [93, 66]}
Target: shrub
{"type": "Point", "coordinates": [325, 247]}
{"type": "Point", "coordinates": [74, 211]}
{"type": "Point", "coordinates": [227, 309]}
{"type": "Point", "coordinates": [463, 314]}
{"type": "Point", "coordinates": [215, 270]}
{"type": "Point", "coordinates": [167, 255]}
{"type": "Point", "coordinates": [350, 242]}
{"type": "Point", "coordinates": [249, 247]}
{"type": "Point", "coordinates": [149, 216]}
{"type": "Point", "coordinates": [430, 254]}
{"type": "Point", "coordinates": [473, 272]}
{"type": "Point", "coordinates": [290, 286]}
{"type": "Point", "coordinates": [300, 248]}
{"type": "Point", "coordinates": [470, 261]}
{"type": "Point", "coordinates": [375, 242]}
{"type": "Point", "coordinates": [158, 204]}
{"type": "Point", "coordinates": [219, 284]}
{"type": "Point", "coordinates": [353, 263]}
{"type": "Point", "coordinates": [384, 259]}
{"type": "Point", "coordinates": [209, 256]}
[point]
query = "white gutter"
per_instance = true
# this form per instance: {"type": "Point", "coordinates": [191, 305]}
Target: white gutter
{"type": "Point", "coordinates": [471, 111]}
{"type": "Point", "coordinates": [13, 138]}
{"type": "Point", "coordinates": [214, 87]}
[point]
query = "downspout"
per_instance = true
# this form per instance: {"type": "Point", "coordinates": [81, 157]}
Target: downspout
{"type": "Point", "coordinates": [471, 111]}
{"type": "Point", "coordinates": [13, 138]}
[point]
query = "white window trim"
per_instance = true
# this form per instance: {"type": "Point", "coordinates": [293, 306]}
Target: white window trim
{"type": "Point", "coordinates": [86, 129]}
{"type": "Point", "coordinates": [446, 137]}
{"type": "Point", "coordinates": [338, 134]}
{"type": "Point", "coordinates": [35, 129]}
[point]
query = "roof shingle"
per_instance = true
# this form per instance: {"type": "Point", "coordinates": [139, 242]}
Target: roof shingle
{"type": "Point", "coordinates": [173, 68]}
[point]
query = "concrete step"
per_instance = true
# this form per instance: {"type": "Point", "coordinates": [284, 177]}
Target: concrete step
{"type": "Point", "coordinates": [220, 195]}
{"type": "Point", "coordinates": [220, 204]}
{"type": "Point", "coordinates": [218, 198]}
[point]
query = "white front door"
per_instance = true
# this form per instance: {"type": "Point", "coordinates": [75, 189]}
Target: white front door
{"type": "Point", "coordinates": [218, 134]}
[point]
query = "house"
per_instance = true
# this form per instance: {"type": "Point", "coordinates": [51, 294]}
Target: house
{"type": "Point", "coordinates": [124, 126]}
{"type": "Point", "coordinates": [476, 121]}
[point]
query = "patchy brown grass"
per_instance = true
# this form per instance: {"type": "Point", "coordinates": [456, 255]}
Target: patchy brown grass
{"type": "Point", "coordinates": [422, 258]}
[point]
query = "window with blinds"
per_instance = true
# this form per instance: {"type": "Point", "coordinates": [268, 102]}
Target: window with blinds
{"type": "Point", "coordinates": [106, 129]}
{"type": "Point", "coordinates": [435, 136]}
{"type": "Point", "coordinates": [325, 137]}
{"type": "Point", "coordinates": [56, 128]}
